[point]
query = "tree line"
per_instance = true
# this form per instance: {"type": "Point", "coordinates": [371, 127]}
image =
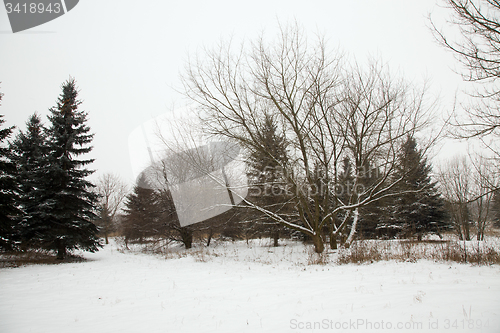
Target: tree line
{"type": "Point", "coordinates": [334, 151]}
{"type": "Point", "coordinates": [46, 201]}
{"type": "Point", "coordinates": [313, 123]}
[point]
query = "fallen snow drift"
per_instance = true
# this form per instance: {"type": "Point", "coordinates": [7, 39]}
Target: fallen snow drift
{"type": "Point", "coordinates": [246, 288]}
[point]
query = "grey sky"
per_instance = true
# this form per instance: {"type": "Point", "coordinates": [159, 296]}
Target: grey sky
{"type": "Point", "coordinates": [127, 55]}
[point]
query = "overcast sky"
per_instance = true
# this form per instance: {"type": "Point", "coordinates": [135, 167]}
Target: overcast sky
{"type": "Point", "coordinates": [127, 55]}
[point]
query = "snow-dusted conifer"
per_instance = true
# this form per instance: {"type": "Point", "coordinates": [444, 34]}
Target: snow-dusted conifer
{"type": "Point", "coordinates": [29, 153]}
{"type": "Point", "coordinates": [267, 182]}
{"type": "Point", "coordinates": [9, 211]}
{"type": "Point", "coordinates": [419, 209]}
{"type": "Point", "coordinates": [142, 213]}
{"type": "Point", "coordinates": [70, 203]}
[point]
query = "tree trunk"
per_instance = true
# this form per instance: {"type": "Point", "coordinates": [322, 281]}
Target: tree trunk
{"type": "Point", "coordinates": [350, 239]}
{"type": "Point", "coordinates": [106, 228]}
{"type": "Point", "coordinates": [186, 237]}
{"type": "Point", "coordinates": [61, 251]}
{"type": "Point", "coordinates": [332, 235]}
{"type": "Point", "coordinates": [210, 234]}
{"type": "Point", "coordinates": [467, 230]}
{"type": "Point", "coordinates": [319, 246]}
{"type": "Point", "coordinates": [276, 237]}
{"type": "Point", "coordinates": [333, 241]}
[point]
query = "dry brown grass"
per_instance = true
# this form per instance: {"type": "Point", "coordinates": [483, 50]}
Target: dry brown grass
{"type": "Point", "coordinates": [478, 253]}
{"type": "Point", "coordinates": [314, 258]}
{"type": "Point", "coordinates": [34, 257]}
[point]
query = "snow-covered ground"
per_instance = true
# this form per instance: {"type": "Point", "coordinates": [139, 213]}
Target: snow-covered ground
{"type": "Point", "coordinates": [236, 287]}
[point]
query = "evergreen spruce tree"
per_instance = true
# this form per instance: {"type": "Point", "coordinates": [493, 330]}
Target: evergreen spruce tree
{"type": "Point", "coordinates": [142, 213]}
{"type": "Point", "coordinates": [266, 179]}
{"type": "Point", "coordinates": [9, 211]}
{"type": "Point", "coordinates": [70, 202]}
{"type": "Point", "coordinates": [29, 153]}
{"type": "Point", "coordinates": [421, 210]}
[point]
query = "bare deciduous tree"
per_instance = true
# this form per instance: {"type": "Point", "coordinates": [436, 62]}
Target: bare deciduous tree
{"type": "Point", "coordinates": [326, 109]}
{"type": "Point", "coordinates": [484, 180]}
{"type": "Point", "coordinates": [478, 23]}
{"type": "Point", "coordinates": [456, 188]}
{"type": "Point", "coordinates": [375, 115]}
{"type": "Point", "coordinates": [467, 188]}
{"type": "Point", "coordinates": [478, 50]}
{"type": "Point", "coordinates": [112, 191]}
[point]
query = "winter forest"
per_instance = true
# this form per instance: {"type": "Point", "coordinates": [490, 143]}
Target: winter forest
{"type": "Point", "coordinates": [301, 163]}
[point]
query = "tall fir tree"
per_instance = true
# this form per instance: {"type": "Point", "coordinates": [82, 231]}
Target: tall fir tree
{"type": "Point", "coordinates": [30, 154]}
{"type": "Point", "coordinates": [70, 202]}
{"type": "Point", "coordinates": [266, 179]}
{"type": "Point", "coordinates": [9, 210]}
{"type": "Point", "coordinates": [419, 210]}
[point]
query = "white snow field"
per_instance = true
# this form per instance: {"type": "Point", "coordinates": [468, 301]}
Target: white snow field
{"type": "Point", "coordinates": [236, 287]}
